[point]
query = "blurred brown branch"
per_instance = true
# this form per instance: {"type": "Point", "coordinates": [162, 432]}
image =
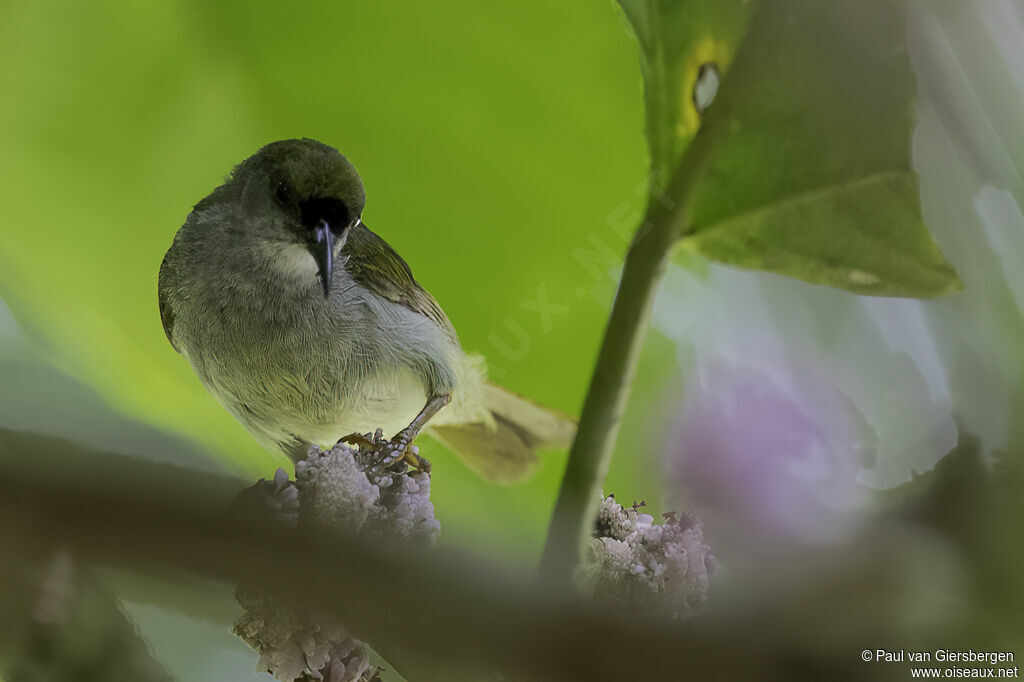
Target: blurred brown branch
{"type": "Point", "coordinates": [443, 615]}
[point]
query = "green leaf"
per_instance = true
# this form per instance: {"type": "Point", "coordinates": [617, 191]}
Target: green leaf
{"type": "Point", "coordinates": [809, 172]}
{"type": "Point", "coordinates": [676, 37]}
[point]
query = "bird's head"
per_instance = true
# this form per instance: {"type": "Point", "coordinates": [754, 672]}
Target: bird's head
{"type": "Point", "coordinates": [301, 193]}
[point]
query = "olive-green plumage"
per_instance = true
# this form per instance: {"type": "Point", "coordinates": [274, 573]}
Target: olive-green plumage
{"type": "Point", "coordinates": [307, 326]}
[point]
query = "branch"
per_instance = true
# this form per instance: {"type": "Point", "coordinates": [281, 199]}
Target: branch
{"type": "Point", "coordinates": [439, 616]}
{"type": "Point", "coordinates": [665, 224]}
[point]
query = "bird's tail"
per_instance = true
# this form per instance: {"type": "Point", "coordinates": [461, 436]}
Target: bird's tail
{"type": "Point", "coordinates": [504, 447]}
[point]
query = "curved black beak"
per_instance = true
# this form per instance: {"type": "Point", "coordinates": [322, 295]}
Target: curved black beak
{"type": "Point", "coordinates": [322, 249]}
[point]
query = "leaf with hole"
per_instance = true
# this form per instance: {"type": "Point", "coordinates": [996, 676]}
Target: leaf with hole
{"type": "Point", "coordinates": [685, 48]}
{"type": "Point", "coordinates": [809, 171]}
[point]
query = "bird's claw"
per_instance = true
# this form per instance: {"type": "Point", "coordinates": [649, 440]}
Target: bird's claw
{"type": "Point", "coordinates": [400, 451]}
{"type": "Point", "coordinates": [390, 454]}
{"type": "Point", "coordinates": [397, 448]}
{"type": "Point", "coordinates": [417, 462]}
{"type": "Point", "coordinates": [368, 441]}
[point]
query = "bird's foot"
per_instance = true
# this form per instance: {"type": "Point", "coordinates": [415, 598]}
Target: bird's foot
{"type": "Point", "coordinates": [367, 441]}
{"type": "Point", "coordinates": [416, 462]}
{"type": "Point", "coordinates": [410, 453]}
{"type": "Point", "coordinates": [276, 500]}
{"type": "Point", "coordinates": [400, 451]}
{"type": "Point", "coordinates": [390, 455]}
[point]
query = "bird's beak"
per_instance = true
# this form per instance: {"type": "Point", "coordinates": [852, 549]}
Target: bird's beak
{"type": "Point", "coordinates": [323, 251]}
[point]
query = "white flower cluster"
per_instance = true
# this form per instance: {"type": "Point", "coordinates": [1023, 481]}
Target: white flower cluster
{"type": "Point", "coordinates": [345, 488]}
{"type": "Point", "coordinates": [292, 646]}
{"type": "Point", "coordinates": [666, 567]}
{"type": "Point", "coordinates": [338, 489]}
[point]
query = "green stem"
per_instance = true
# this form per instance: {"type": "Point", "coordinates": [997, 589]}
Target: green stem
{"type": "Point", "coordinates": [648, 256]}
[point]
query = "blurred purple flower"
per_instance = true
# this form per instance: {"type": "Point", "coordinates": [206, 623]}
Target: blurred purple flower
{"type": "Point", "coordinates": [768, 463]}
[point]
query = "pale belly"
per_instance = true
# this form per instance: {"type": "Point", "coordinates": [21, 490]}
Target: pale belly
{"type": "Point", "coordinates": [282, 406]}
{"type": "Point", "coordinates": [390, 403]}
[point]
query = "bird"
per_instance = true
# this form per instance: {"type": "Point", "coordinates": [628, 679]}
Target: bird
{"type": "Point", "coordinates": [309, 328]}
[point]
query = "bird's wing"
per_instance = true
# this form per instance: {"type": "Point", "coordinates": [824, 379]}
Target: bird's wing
{"type": "Point", "coordinates": [166, 314]}
{"type": "Point", "coordinates": [375, 265]}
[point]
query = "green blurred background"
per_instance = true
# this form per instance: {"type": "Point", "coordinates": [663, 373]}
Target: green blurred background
{"type": "Point", "coordinates": [502, 149]}
{"type": "Point", "coordinates": [494, 139]}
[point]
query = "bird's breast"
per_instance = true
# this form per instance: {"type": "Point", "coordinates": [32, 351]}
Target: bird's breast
{"type": "Point", "coordinates": [319, 368]}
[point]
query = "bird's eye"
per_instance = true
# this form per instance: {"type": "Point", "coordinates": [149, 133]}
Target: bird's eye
{"type": "Point", "coordinates": [283, 193]}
